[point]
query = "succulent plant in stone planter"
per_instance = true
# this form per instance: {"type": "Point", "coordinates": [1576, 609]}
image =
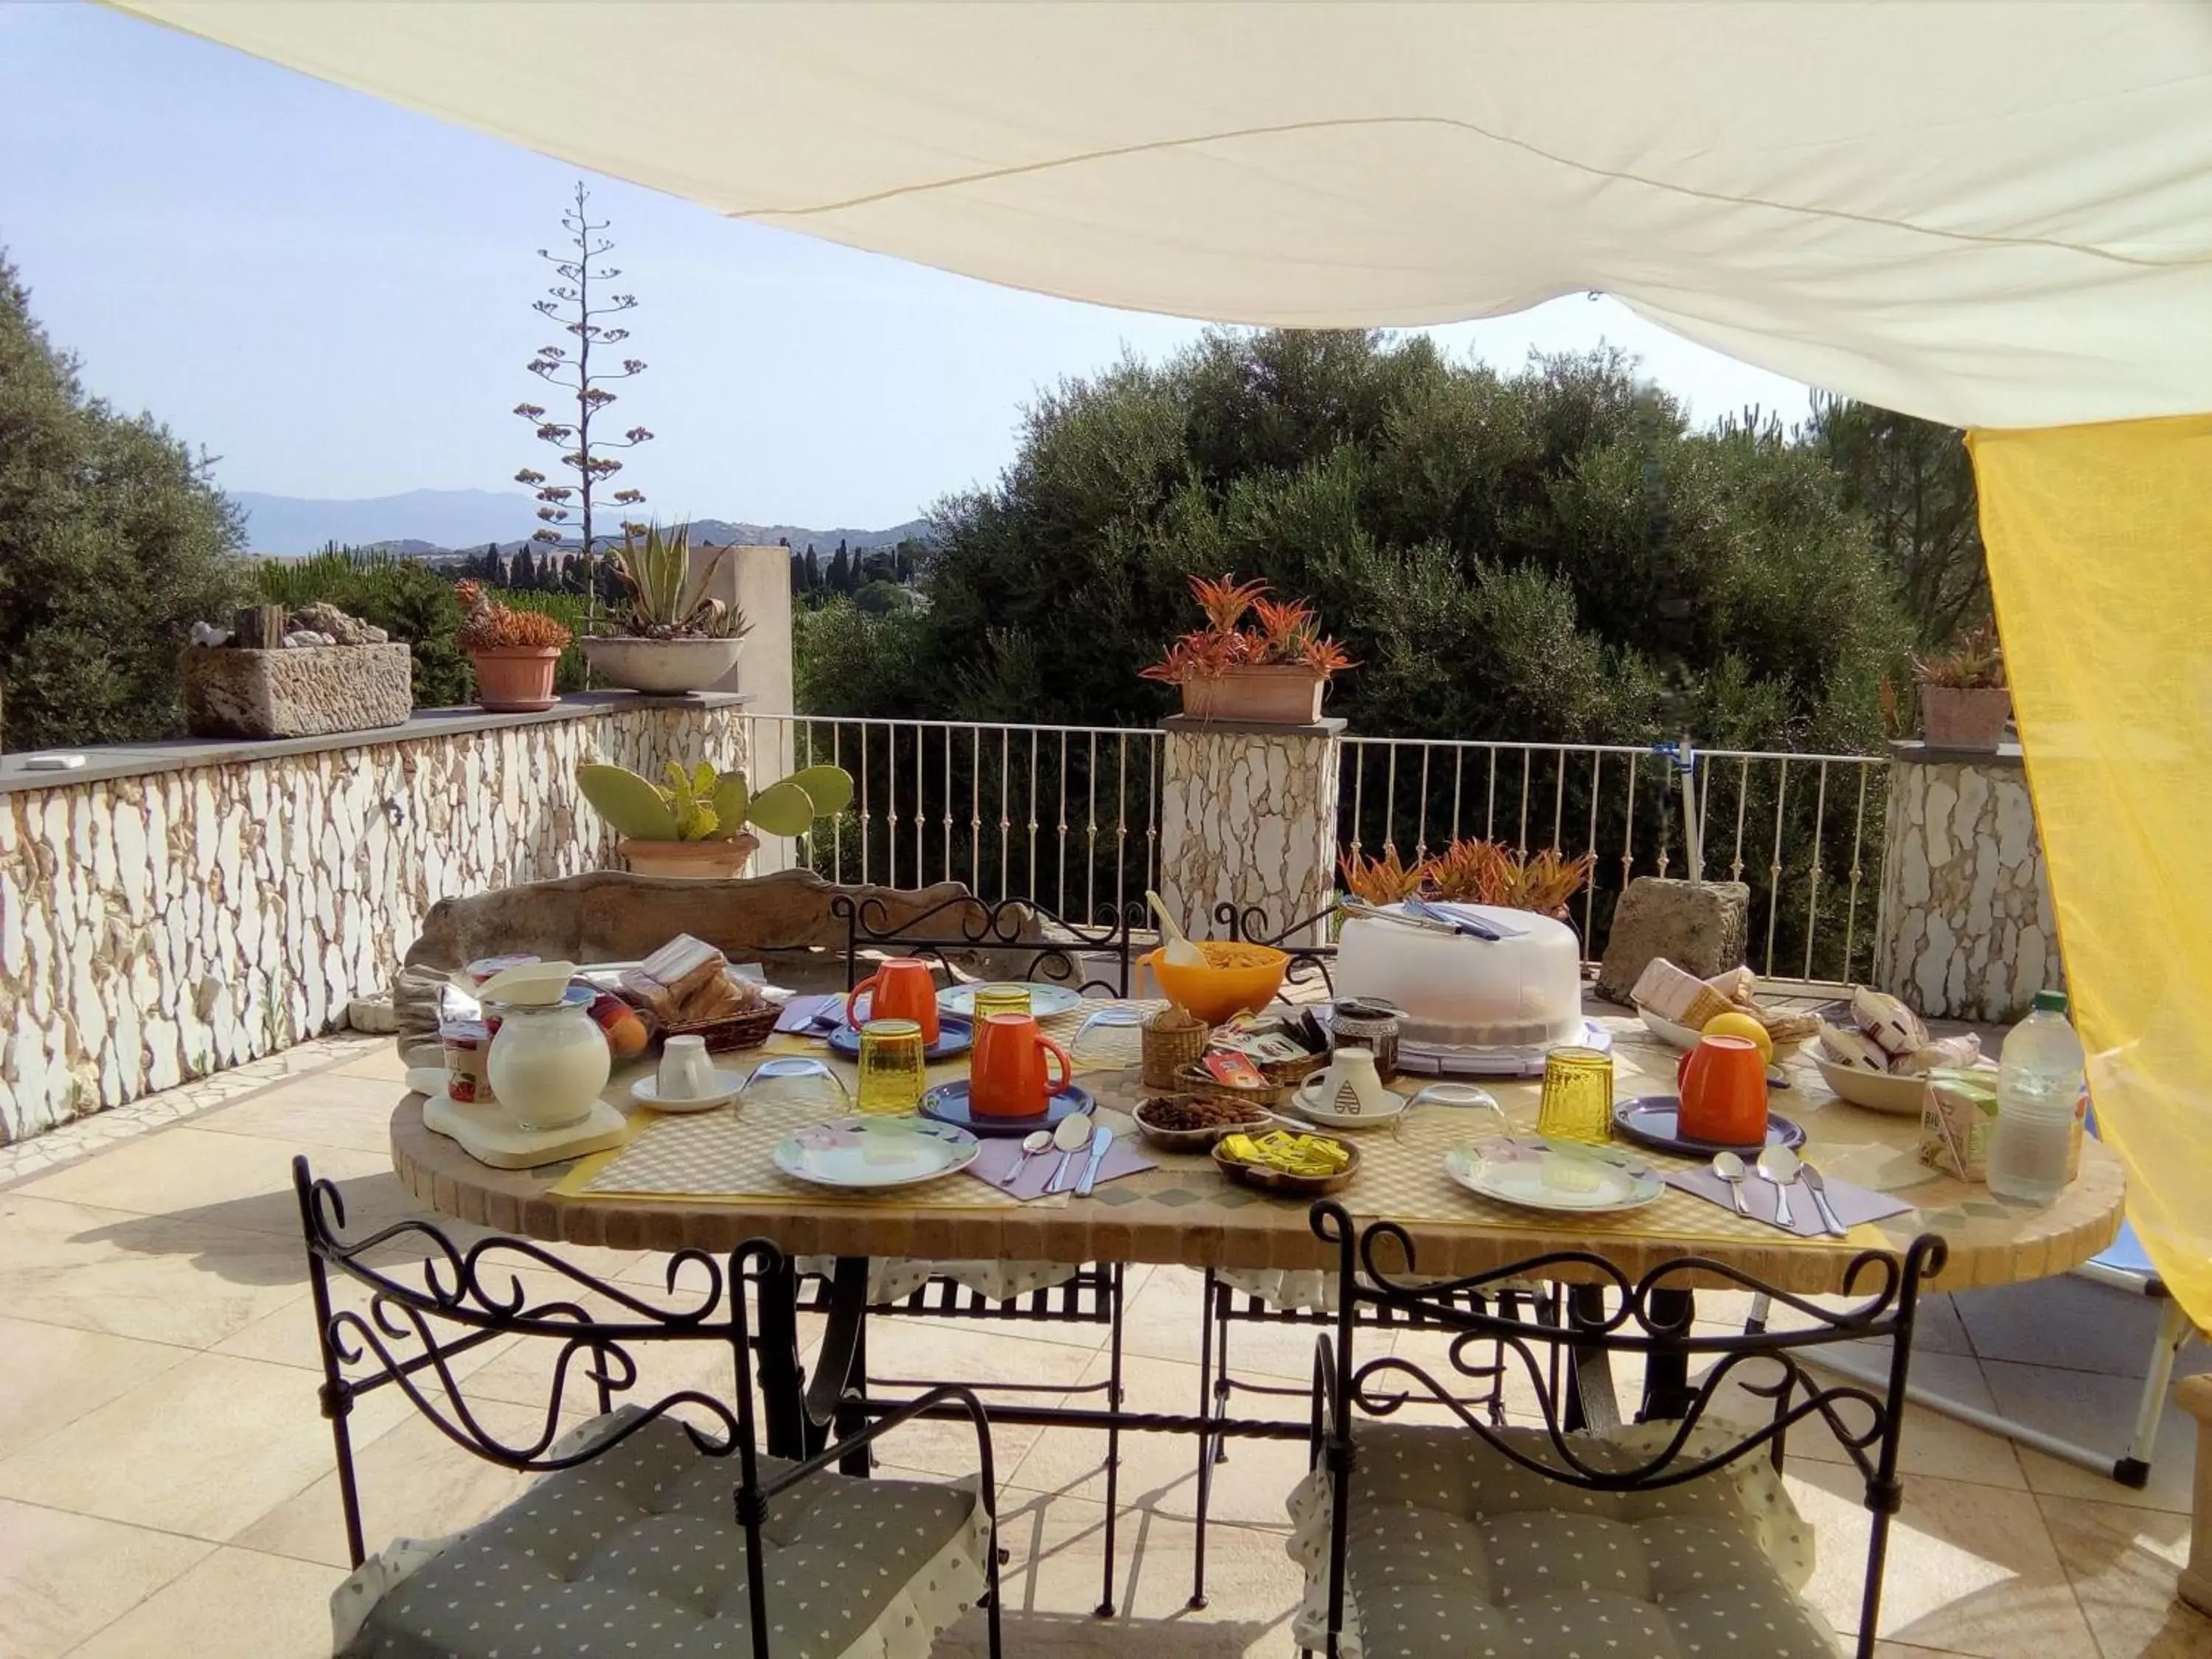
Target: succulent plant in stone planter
{"type": "Point", "coordinates": [1964, 700]}
{"type": "Point", "coordinates": [513, 651]}
{"type": "Point", "coordinates": [674, 637]}
{"type": "Point", "coordinates": [696, 825]}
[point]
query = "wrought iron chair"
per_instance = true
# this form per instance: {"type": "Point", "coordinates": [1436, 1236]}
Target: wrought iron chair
{"type": "Point", "coordinates": [656, 1526]}
{"type": "Point", "coordinates": [1231, 1298]}
{"type": "Point", "coordinates": [1031, 944]}
{"type": "Point", "coordinates": [1234, 1298]}
{"type": "Point", "coordinates": [1674, 1535]}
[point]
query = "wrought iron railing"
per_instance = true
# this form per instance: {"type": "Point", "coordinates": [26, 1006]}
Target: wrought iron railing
{"type": "Point", "coordinates": [1065, 815]}
{"type": "Point", "coordinates": [1069, 816]}
{"type": "Point", "coordinates": [1802, 830]}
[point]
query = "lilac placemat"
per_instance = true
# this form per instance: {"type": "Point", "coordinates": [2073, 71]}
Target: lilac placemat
{"type": "Point", "coordinates": [1852, 1204]}
{"type": "Point", "coordinates": [800, 1013]}
{"type": "Point", "coordinates": [997, 1157]}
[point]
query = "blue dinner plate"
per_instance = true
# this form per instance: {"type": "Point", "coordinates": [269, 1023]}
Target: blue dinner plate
{"type": "Point", "coordinates": [949, 1103]}
{"type": "Point", "coordinates": [955, 1037]}
{"type": "Point", "coordinates": [1652, 1121]}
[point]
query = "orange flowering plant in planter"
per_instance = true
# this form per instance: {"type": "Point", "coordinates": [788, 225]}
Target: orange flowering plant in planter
{"type": "Point", "coordinates": [1473, 872]}
{"type": "Point", "coordinates": [1273, 673]}
{"type": "Point", "coordinates": [513, 651]}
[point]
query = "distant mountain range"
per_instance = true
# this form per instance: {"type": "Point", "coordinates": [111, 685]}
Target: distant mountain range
{"type": "Point", "coordinates": [424, 521]}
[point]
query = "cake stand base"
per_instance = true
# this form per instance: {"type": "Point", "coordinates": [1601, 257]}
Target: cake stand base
{"type": "Point", "coordinates": [488, 1135]}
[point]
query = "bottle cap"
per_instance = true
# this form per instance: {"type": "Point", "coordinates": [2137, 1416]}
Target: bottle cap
{"type": "Point", "coordinates": [2051, 1002]}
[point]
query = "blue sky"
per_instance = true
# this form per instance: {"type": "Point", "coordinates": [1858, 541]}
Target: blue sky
{"type": "Point", "coordinates": [333, 295]}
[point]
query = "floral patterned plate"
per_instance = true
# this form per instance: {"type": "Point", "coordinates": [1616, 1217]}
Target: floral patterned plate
{"type": "Point", "coordinates": [875, 1152]}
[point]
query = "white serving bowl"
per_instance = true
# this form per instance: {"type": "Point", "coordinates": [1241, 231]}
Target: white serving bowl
{"type": "Point", "coordinates": [1878, 1091]}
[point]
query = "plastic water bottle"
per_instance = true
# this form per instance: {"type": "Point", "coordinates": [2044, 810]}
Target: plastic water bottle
{"type": "Point", "coordinates": [2038, 1095]}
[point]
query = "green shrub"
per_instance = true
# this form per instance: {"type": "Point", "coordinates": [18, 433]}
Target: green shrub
{"type": "Point", "coordinates": [113, 541]}
{"type": "Point", "coordinates": [413, 602]}
{"type": "Point", "coordinates": [402, 596]}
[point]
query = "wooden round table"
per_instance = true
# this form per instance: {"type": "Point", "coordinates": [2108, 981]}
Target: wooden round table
{"type": "Point", "coordinates": [1185, 1213]}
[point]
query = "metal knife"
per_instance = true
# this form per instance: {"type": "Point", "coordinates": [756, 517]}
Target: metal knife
{"type": "Point", "coordinates": [1422, 924]}
{"type": "Point", "coordinates": [1466, 926]}
{"type": "Point", "coordinates": [1103, 1140]}
{"type": "Point", "coordinates": [1811, 1177]}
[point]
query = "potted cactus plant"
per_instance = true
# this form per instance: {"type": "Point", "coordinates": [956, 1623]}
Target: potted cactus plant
{"type": "Point", "coordinates": [1273, 674]}
{"type": "Point", "coordinates": [513, 651]}
{"type": "Point", "coordinates": [696, 824]}
{"type": "Point", "coordinates": [1964, 700]}
{"type": "Point", "coordinates": [674, 637]}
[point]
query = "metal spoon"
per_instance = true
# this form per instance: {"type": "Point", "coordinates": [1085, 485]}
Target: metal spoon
{"type": "Point", "coordinates": [1778, 1164]}
{"type": "Point", "coordinates": [1072, 1135]}
{"type": "Point", "coordinates": [1035, 1141]}
{"type": "Point", "coordinates": [1729, 1167]}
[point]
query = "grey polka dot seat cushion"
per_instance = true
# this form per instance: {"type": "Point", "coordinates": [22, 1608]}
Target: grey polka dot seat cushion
{"type": "Point", "coordinates": [638, 1552]}
{"type": "Point", "coordinates": [1455, 1549]}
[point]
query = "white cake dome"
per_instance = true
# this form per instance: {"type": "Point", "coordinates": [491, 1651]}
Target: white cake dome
{"type": "Point", "coordinates": [1522, 990]}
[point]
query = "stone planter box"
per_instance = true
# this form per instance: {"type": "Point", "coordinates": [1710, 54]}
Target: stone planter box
{"type": "Point", "coordinates": [305, 692]}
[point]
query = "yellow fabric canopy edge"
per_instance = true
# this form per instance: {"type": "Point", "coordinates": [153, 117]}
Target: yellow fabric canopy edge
{"type": "Point", "coordinates": [2099, 545]}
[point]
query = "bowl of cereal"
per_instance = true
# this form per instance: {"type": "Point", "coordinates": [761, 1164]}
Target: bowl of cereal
{"type": "Point", "coordinates": [1234, 978]}
{"type": "Point", "coordinates": [1192, 1123]}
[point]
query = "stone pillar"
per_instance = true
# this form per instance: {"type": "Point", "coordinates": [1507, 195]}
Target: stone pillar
{"type": "Point", "coordinates": [1967, 927]}
{"type": "Point", "coordinates": [757, 581]}
{"type": "Point", "coordinates": [2195, 1586]}
{"type": "Point", "coordinates": [1248, 815]}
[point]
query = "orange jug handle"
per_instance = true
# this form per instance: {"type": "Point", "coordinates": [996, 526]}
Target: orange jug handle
{"type": "Point", "coordinates": [1067, 1066]}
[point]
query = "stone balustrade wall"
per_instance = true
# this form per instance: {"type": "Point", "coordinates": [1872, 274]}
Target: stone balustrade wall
{"type": "Point", "coordinates": [173, 911]}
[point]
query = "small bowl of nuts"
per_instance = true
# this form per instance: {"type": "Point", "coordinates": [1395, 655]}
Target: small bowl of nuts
{"type": "Point", "coordinates": [1192, 1123]}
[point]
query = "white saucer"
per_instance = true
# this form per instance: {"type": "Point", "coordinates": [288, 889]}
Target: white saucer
{"type": "Point", "coordinates": [1307, 1104]}
{"type": "Point", "coordinates": [645, 1092]}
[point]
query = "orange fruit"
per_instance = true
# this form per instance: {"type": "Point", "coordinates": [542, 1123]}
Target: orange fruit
{"type": "Point", "coordinates": [1735, 1025]}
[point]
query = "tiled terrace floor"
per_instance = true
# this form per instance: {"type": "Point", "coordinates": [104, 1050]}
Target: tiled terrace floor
{"type": "Point", "coordinates": [166, 1487]}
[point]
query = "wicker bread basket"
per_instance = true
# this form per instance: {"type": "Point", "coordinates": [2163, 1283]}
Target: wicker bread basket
{"type": "Point", "coordinates": [746, 1031]}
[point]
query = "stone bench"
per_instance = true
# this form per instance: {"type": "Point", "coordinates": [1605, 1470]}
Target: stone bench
{"type": "Point", "coordinates": [782, 922]}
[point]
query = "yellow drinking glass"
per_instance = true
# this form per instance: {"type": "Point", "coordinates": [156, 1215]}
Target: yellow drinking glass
{"type": "Point", "coordinates": [890, 1068]}
{"type": "Point", "coordinates": [1000, 1000]}
{"type": "Point", "coordinates": [1577, 1099]}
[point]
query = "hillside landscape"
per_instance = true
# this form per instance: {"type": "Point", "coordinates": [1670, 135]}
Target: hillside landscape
{"type": "Point", "coordinates": [424, 521]}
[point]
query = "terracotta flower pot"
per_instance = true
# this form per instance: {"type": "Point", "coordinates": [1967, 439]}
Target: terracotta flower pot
{"type": "Point", "coordinates": [515, 679]}
{"type": "Point", "coordinates": [1965, 717]}
{"type": "Point", "coordinates": [1280, 694]}
{"type": "Point", "coordinates": [695, 860]}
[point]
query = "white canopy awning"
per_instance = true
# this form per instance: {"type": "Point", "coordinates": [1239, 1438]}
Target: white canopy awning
{"type": "Point", "coordinates": [1994, 214]}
